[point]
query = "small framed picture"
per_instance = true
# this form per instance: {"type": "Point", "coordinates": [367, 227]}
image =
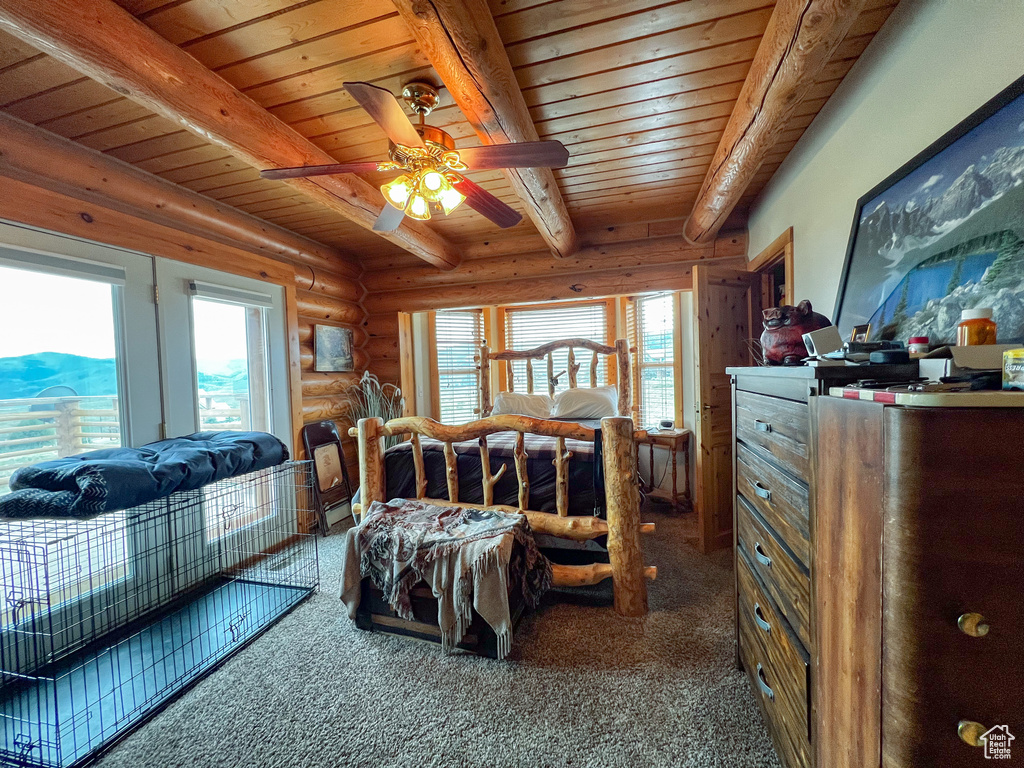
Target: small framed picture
{"type": "Point", "coordinates": [861, 332]}
{"type": "Point", "coordinates": [332, 348]}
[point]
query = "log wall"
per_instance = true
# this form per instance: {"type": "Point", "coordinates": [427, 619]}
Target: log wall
{"type": "Point", "coordinates": [616, 261]}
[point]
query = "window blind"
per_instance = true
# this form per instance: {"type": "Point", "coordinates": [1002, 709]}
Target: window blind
{"type": "Point", "coordinates": [529, 328]}
{"type": "Point", "coordinates": [459, 335]}
{"type": "Point", "coordinates": [655, 330]}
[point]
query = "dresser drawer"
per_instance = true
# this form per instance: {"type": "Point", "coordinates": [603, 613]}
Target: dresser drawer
{"type": "Point", "coordinates": [781, 500]}
{"type": "Point", "coordinates": [778, 427]}
{"type": "Point", "coordinates": [777, 666]}
{"type": "Point", "coordinates": [787, 581]}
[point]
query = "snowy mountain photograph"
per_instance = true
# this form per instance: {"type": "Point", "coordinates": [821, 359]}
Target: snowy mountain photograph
{"type": "Point", "coordinates": [947, 235]}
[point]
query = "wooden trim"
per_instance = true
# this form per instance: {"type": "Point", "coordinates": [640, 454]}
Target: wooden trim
{"type": "Point", "coordinates": [779, 250]}
{"type": "Point", "coordinates": [799, 40]}
{"type": "Point", "coordinates": [677, 359]}
{"type": "Point", "coordinates": [108, 44]}
{"type": "Point", "coordinates": [435, 378]}
{"type": "Point", "coordinates": [406, 359]}
{"type": "Point", "coordinates": [465, 48]}
{"type": "Point", "coordinates": [294, 369]}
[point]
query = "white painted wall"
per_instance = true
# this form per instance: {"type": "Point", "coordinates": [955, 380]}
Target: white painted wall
{"type": "Point", "coordinates": [932, 64]}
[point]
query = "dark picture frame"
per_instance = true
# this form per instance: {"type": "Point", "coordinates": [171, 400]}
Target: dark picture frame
{"type": "Point", "coordinates": [332, 349]}
{"type": "Point", "coordinates": [871, 277]}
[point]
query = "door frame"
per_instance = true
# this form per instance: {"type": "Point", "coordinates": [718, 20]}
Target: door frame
{"type": "Point", "coordinates": [779, 250]}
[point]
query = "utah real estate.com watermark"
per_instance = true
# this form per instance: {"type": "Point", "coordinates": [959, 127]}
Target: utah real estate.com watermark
{"type": "Point", "coordinates": [997, 742]}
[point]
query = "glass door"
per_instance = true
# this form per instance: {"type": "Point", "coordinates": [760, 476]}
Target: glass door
{"type": "Point", "coordinates": [75, 376]}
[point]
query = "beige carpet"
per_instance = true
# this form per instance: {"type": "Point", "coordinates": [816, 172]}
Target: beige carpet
{"type": "Point", "coordinates": [583, 687]}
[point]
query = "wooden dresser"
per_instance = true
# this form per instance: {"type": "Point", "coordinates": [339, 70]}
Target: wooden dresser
{"type": "Point", "coordinates": [774, 477]}
{"type": "Point", "coordinates": [919, 584]}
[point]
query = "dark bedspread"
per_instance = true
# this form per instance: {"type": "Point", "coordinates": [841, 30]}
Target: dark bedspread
{"type": "Point", "coordinates": [120, 478]}
{"type": "Point", "coordinates": [586, 485]}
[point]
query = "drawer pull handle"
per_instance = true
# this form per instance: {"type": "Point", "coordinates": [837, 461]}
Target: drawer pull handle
{"type": "Point", "coordinates": [762, 681]}
{"type": "Point", "coordinates": [973, 624]}
{"type": "Point", "coordinates": [970, 733]}
{"type": "Point", "coordinates": [761, 557]}
{"type": "Point", "coordinates": [763, 492]}
{"type": "Point", "coordinates": [762, 426]}
{"type": "Point", "coordinates": [759, 618]}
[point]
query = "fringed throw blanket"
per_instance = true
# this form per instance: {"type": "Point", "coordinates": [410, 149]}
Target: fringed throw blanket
{"type": "Point", "coordinates": [462, 554]}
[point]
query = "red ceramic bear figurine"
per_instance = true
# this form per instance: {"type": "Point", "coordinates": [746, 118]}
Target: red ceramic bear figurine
{"type": "Point", "coordinates": [782, 341]}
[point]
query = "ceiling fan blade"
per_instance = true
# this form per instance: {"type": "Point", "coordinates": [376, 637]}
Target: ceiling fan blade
{"type": "Point", "coordinates": [317, 170]}
{"type": "Point", "coordinates": [483, 202]}
{"type": "Point", "coordinates": [383, 107]}
{"type": "Point", "coordinates": [527, 154]}
{"type": "Point", "coordinates": [389, 220]}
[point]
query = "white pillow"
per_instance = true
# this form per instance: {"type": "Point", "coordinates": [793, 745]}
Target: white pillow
{"type": "Point", "coordinates": [587, 403]}
{"type": "Point", "coordinates": [520, 404]}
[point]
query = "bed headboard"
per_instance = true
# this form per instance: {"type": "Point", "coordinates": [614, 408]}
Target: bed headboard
{"type": "Point", "coordinates": [623, 378]}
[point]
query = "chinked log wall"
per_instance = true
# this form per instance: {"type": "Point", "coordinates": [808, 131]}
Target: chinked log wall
{"type": "Point", "coordinates": [56, 185]}
{"type": "Point", "coordinates": [630, 259]}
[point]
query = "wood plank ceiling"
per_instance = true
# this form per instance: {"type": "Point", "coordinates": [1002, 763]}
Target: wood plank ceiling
{"type": "Point", "coordinates": [638, 90]}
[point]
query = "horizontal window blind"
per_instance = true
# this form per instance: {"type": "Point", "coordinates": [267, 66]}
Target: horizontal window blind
{"type": "Point", "coordinates": [656, 322]}
{"type": "Point", "coordinates": [459, 335]}
{"type": "Point", "coordinates": [529, 328]}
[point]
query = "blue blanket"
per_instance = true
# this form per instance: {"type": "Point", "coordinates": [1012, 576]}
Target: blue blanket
{"type": "Point", "coordinates": [119, 478]}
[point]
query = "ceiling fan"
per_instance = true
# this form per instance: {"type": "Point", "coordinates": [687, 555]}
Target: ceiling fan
{"type": "Point", "coordinates": [432, 168]}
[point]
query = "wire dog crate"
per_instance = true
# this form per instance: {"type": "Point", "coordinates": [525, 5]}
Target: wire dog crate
{"type": "Point", "coordinates": [103, 621]}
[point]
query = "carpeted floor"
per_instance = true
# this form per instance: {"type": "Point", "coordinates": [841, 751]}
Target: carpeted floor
{"type": "Point", "coordinates": [583, 687]}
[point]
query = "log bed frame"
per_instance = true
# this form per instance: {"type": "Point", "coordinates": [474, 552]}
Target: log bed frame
{"type": "Point", "coordinates": [623, 377]}
{"type": "Point", "coordinates": [622, 526]}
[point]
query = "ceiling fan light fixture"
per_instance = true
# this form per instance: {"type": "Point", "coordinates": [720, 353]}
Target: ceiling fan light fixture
{"type": "Point", "coordinates": [450, 198]}
{"type": "Point", "coordinates": [397, 191]}
{"type": "Point", "coordinates": [433, 181]}
{"type": "Point", "coordinates": [418, 208]}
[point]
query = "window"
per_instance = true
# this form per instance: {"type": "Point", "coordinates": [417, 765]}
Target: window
{"type": "Point", "coordinates": [458, 335]}
{"type": "Point", "coordinates": [653, 331]}
{"type": "Point", "coordinates": [529, 328]}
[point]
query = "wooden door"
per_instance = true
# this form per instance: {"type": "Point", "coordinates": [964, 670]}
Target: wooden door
{"type": "Point", "coordinates": [726, 316]}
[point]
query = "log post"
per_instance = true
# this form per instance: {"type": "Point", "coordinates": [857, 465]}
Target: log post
{"type": "Point", "coordinates": [487, 479]}
{"type": "Point", "coordinates": [574, 368]}
{"type": "Point", "coordinates": [561, 463]}
{"type": "Point", "coordinates": [511, 376]}
{"type": "Point", "coordinates": [529, 376]}
{"type": "Point", "coordinates": [551, 374]}
{"type": "Point", "coordinates": [451, 472]}
{"type": "Point", "coordinates": [623, 513]}
{"type": "Point", "coordinates": [419, 468]}
{"type": "Point", "coordinates": [593, 370]}
{"type": "Point", "coordinates": [622, 379]}
{"type": "Point", "coordinates": [485, 381]}
{"type": "Point", "coordinates": [371, 460]}
{"type": "Point", "coordinates": [519, 455]}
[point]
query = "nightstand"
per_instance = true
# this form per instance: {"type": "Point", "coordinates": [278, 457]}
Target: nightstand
{"type": "Point", "coordinates": [677, 441]}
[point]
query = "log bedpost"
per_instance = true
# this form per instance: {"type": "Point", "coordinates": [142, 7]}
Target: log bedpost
{"type": "Point", "coordinates": [511, 376]}
{"type": "Point", "coordinates": [451, 472]}
{"type": "Point", "coordinates": [369, 438]}
{"type": "Point", "coordinates": [551, 374]}
{"type": "Point", "coordinates": [623, 513]}
{"type": "Point", "coordinates": [574, 368]}
{"type": "Point", "coordinates": [519, 455]}
{"type": "Point", "coordinates": [529, 376]}
{"type": "Point", "coordinates": [419, 467]}
{"type": "Point", "coordinates": [622, 379]}
{"type": "Point", "coordinates": [485, 381]}
{"type": "Point", "coordinates": [593, 370]}
{"type": "Point", "coordinates": [561, 463]}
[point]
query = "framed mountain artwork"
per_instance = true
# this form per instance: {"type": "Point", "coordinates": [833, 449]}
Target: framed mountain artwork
{"type": "Point", "coordinates": [944, 233]}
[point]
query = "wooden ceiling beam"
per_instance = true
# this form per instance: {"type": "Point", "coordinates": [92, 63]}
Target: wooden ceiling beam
{"type": "Point", "coordinates": [462, 42]}
{"type": "Point", "coordinates": [106, 43]}
{"type": "Point", "coordinates": [799, 41]}
{"type": "Point", "coordinates": [41, 158]}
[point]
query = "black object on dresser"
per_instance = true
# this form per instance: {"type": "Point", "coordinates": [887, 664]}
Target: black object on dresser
{"type": "Point", "coordinates": [774, 478]}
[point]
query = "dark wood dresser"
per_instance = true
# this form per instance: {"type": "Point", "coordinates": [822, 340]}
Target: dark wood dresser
{"type": "Point", "coordinates": [918, 582]}
{"type": "Point", "coordinates": [774, 536]}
